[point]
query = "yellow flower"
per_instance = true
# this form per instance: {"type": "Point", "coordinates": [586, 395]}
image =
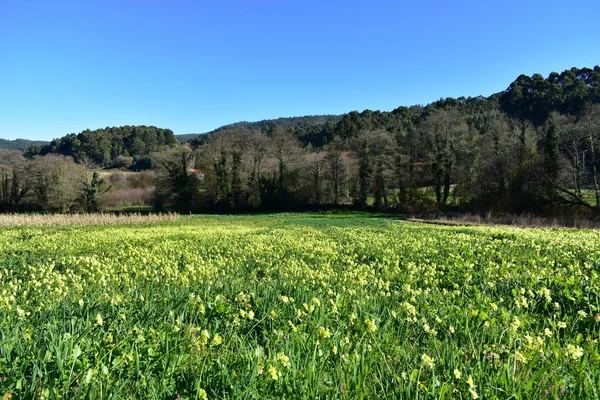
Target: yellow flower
{"type": "Point", "coordinates": [562, 325]}
{"type": "Point", "coordinates": [324, 333]}
{"type": "Point", "coordinates": [274, 373]}
{"type": "Point", "coordinates": [520, 357]}
{"type": "Point", "coordinates": [99, 320]}
{"type": "Point", "coordinates": [470, 381]}
{"type": "Point", "coordinates": [308, 308]}
{"type": "Point", "coordinates": [285, 299]}
{"type": "Point", "coordinates": [285, 360]}
{"type": "Point", "coordinates": [217, 340]}
{"type": "Point", "coordinates": [473, 394]}
{"type": "Point", "coordinates": [516, 323]}
{"type": "Point", "coordinates": [80, 302]}
{"type": "Point", "coordinates": [457, 373]}
{"type": "Point", "coordinates": [202, 394]}
{"type": "Point", "coordinates": [427, 361]}
{"type": "Point", "coordinates": [451, 329]}
{"type": "Point", "coordinates": [292, 326]}
{"type": "Point", "coordinates": [574, 351]}
{"type": "Point", "coordinates": [371, 327]}
{"type": "Point", "coordinates": [547, 332]}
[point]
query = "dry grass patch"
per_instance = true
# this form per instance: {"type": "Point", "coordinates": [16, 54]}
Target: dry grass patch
{"type": "Point", "coordinates": [83, 219]}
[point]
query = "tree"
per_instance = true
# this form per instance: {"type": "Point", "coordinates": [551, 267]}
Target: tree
{"type": "Point", "coordinates": [591, 121]}
{"type": "Point", "coordinates": [15, 180]}
{"type": "Point", "coordinates": [444, 131]}
{"type": "Point", "coordinates": [315, 172]}
{"type": "Point", "coordinates": [56, 184]}
{"type": "Point", "coordinates": [256, 148]}
{"type": "Point", "coordinates": [552, 159]}
{"type": "Point", "coordinates": [92, 191]}
{"type": "Point", "coordinates": [286, 150]}
{"type": "Point", "coordinates": [176, 184]}
{"type": "Point", "coordinates": [383, 150]}
{"type": "Point", "coordinates": [337, 167]}
{"type": "Point", "coordinates": [493, 161]}
{"type": "Point", "coordinates": [365, 171]}
{"type": "Point", "coordinates": [573, 144]}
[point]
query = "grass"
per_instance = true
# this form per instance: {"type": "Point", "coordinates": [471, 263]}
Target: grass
{"type": "Point", "coordinates": [298, 306]}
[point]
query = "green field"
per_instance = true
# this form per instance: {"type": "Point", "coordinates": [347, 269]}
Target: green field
{"type": "Point", "coordinates": [299, 306]}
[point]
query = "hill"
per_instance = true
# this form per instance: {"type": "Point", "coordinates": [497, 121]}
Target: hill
{"type": "Point", "coordinates": [308, 128]}
{"type": "Point", "coordinates": [186, 137]}
{"type": "Point", "coordinates": [20, 144]}
{"type": "Point", "coordinates": [287, 122]}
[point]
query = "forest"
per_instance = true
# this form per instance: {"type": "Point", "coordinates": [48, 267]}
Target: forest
{"type": "Point", "coordinates": [532, 148]}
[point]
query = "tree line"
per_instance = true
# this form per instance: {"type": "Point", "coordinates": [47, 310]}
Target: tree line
{"type": "Point", "coordinates": [534, 147]}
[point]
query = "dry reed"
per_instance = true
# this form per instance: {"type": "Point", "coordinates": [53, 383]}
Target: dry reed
{"type": "Point", "coordinates": [12, 220]}
{"type": "Point", "coordinates": [522, 221]}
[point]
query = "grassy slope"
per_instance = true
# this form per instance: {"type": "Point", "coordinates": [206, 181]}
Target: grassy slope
{"type": "Point", "coordinates": [381, 308]}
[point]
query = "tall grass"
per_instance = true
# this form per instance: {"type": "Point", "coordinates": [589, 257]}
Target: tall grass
{"type": "Point", "coordinates": [12, 220]}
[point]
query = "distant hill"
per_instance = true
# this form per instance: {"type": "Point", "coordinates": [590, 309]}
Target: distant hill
{"type": "Point", "coordinates": [289, 122]}
{"type": "Point", "coordinates": [314, 129]}
{"type": "Point", "coordinates": [300, 125]}
{"type": "Point", "coordinates": [186, 137]}
{"type": "Point", "coordinates": [20, 144]}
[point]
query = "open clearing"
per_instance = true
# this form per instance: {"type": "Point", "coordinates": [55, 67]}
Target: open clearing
{"type": "Point", "coordinates": [299, 306]}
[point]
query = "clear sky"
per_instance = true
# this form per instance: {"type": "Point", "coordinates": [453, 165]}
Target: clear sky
{"type": "Point", "coordinates": [192, 66]}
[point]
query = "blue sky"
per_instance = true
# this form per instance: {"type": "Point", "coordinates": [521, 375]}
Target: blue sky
{"type": "Point", "coordinates": [192, 66]}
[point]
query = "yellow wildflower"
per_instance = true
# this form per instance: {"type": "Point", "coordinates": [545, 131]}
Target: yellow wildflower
{"type": "Point", "coordinates": [275, 375]}
{"type": "Point", "coordinates": [427, 361]}
{"type": "Point", "coordinates": [324, 332]}
{"type": "Point", "coordinates": [285, 360]}
{"type": "Point", "coordinates": [370, 323]}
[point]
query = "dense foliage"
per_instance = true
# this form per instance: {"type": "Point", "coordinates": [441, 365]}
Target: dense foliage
{"type": "Point", "coordinates": [535, 98]}
{"type": "Point", "coordinates": [103, 147]}
{"type": "Point", "coordinates": [299, 306]}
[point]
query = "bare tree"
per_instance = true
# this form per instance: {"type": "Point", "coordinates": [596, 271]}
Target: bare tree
{"type": "Point", "coordinates": [336, 159]}
{"type": "Point", "coordinates": [57, 185]}
{"type": "Point", "coordinates": [445, 131]}
{"type": "Point", "coordinates": [15, 181]}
